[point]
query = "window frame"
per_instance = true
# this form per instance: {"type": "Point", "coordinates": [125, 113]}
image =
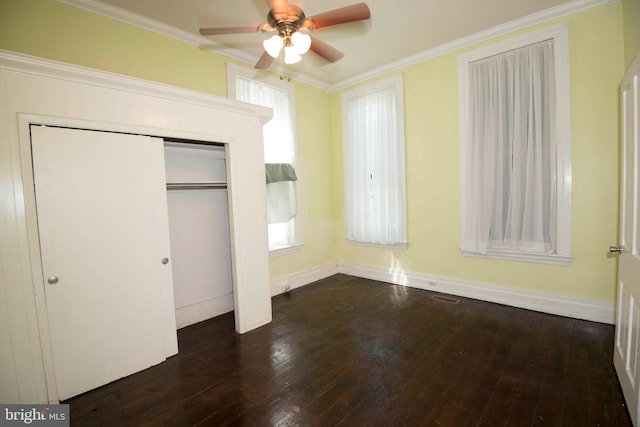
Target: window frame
{"type": "Point", "coordinates": [234, 71]}
{"type": "Point", "coordinates": [397, 83]}
{"type": "Point", "coordinates": [560, 35]}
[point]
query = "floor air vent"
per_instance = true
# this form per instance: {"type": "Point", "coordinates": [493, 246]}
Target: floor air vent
{"type": "Point", "coordinates": [445, 299]}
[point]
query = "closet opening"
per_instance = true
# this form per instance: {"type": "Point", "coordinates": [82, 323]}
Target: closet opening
{"type": "Point", "coordinates": [198, 208]}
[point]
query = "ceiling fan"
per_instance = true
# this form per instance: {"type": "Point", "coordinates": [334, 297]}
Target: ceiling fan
{"type": "Point", "coordinates": [289, 21]}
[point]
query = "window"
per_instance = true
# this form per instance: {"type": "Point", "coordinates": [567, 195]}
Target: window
{"type": "Point", "coordinates": [516, 149]}
{"type": "Point", "coordinates": [373, 146]}
{"type": "Point", "coordinates": [279, 152]}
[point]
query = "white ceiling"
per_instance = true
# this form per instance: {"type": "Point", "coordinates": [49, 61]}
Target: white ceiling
{"type": "Point", "coordinates": [397, 29]}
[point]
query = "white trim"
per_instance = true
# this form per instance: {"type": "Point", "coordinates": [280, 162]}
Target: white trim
{"type": "Point", "coordinates": [288, 250]}
{"type": "Point", "coordinates": [145, 23]}
{"type": "Point", "coordinates": [393, 80]}
{"type": "Point", "coordinates": [233, 71]}
{"type": "Point", "coordinates": [541, 17]}
{"type": "Point", "coordinates": [578, 308]}
{"type": "Point", "coordinates": [297, 280]}
{"type": "Point", "coordinates": [551, 259]}
{"type": "Point", "coordinates": [26, 64]}
{"type": "Point", "coordinates": [203, 310]}
{"type": "Point", "coordinates": [396, 83]}
{"type": "Point", "coordinates": [402, 246]}
{"type": "Point", "coordinates": [140, 21]}
{"type": "Point", "coordinates": [556, 31]}
{"type": "Point", "coordinates": [560, 34]}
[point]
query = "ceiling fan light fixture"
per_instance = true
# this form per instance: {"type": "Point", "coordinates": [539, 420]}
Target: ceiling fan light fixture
{"type": "Point", "coordinates": [290, 24]}
{"type": "Point", "coordinates": [273, 45]}
{"type": "Point", "coordinates": [301, 42]}
{"type": "Point", "coordinates": [291, 56]}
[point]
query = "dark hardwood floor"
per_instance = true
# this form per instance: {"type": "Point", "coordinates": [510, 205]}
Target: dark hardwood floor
{"type": "Point", "coordinates": [355, 352]}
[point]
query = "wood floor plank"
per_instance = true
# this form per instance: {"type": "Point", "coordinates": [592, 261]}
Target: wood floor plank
{"type": "Point", "coordinates": [351, 351]}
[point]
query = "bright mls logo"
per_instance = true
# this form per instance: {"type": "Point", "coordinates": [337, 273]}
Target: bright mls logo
{"type": "Point", "coordinates": [34, 415]}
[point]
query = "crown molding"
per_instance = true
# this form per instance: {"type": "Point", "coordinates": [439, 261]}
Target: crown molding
{"type": "Point", "coordinates": [488, 34]}
{"type": "Point", "coordinates": [27, 64]}
{"type": "Point", "coordinates": [145, 23]}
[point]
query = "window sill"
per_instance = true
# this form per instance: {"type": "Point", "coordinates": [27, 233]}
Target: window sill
{"type": "Point", "coordinates": [287, 250]}
{"type": "Point", "coordinates": [402, 246]}
{"type": "Point", "coordinates": [523, 257]}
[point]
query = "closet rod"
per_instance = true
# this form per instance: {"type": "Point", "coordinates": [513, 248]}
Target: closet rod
{"type": "Point", "coordinates": [196, 185]}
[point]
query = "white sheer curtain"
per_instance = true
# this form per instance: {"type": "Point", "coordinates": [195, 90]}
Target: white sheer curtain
{"type": "Point", "coordinates": [279, 147]}
{"type": "Point", "coordinates": [374, 169]}
{"type": "Point", "coordinates": [511, 184]}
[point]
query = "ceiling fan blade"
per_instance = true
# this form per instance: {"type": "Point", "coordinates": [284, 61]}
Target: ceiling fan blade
{"type": "Point", "coordinates": [264, 61]}
{"type": "Point", "coordinates": [278, 6]}
{"type": "Point", "coordinates": [324, 50]}
{"type": "Point", "coordinates": [353, 13]}
{"type": "Point", "coordinates": [229, 30]}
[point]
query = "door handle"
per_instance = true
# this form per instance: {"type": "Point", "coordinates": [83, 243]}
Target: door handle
{"type": "Point", "coordinates": [165, 261]}
{"type": "Point", "coordinates": [52, 280]}
{"type": "Point", "coordinates": [615, 249]}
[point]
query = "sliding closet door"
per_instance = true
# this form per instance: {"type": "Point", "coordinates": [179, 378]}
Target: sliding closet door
{"type": "Point", "coordinates": [101, 203]}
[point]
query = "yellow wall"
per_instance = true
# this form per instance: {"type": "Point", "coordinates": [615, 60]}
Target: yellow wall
{"type": "Point", "coordinates": [55, 31]}
{"type": "Point", "coordinates": [631, 30]}
{"type": "Point", "coordinates": [433, 174]}
{"type": "Point", "coordinates": [49, 29]}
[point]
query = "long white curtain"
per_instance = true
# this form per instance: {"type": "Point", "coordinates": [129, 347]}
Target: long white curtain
{"type": "Point", "coordinates": [279, 147]}
{"type": "Point", "coordinates": [374, 169]}
{"type": "Point", "coordinates": [511, 175]}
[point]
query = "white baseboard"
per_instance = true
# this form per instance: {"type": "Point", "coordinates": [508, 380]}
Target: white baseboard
{"type": "Point", "coordinates": [203, 310]}
{"type": "Point", "coordinates": [296, 280]}
{"type": "Point", "coordinates": [578, 308]}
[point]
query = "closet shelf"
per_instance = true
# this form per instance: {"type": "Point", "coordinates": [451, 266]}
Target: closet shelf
{"type": "Point", "coordinates": [196, 185]}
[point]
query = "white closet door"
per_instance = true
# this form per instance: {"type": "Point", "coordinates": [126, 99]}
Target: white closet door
{"type": "Point", "coordinates": [102, 241]}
